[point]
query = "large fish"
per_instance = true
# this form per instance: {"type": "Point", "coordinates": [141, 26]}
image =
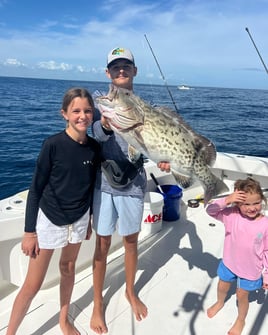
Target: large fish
{"type": "Point", "coordinates": [162, 135]}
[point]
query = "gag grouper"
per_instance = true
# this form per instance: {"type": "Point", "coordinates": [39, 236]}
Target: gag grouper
{"type": "Point", "coordinates": [162, 135]}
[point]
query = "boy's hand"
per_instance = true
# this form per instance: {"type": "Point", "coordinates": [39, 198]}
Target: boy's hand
{"type": "Point", "coordinates": [164, 166]}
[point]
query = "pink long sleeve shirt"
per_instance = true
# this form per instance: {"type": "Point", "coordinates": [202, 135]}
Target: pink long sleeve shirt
{"type": "Point", "coordinates": [245, 250]}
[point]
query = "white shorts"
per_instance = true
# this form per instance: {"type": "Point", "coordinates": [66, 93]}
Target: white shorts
{"type": "Point", "coordinates": [111, 212]}
{"type": "Point", "coordinates": [51, 236]}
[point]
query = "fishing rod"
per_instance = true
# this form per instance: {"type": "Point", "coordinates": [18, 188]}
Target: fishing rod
{"type": "Point", "coordinates": [247, 30]}
{"type": "Point", "coordinates": [162, 75]}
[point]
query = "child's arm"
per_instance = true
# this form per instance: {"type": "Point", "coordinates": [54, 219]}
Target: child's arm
{"type": "Point", "coordinates": [265, 262]}
{"type": "Point", "coordinates": [265, 279]}
{"type": "Point", "coordinates": [29, 245]}
{"type": "Point", "coordinates": [89, 228]}
{"type": "Point", "coordinates": [216, 207]}
{"type": "Point", "coordinates": [235, 197]}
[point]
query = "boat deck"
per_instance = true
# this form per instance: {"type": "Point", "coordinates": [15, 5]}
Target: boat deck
{"type": "Point", "coordinates": [176, 276]}
{"type": "Point", "coordinates": [176, 279]}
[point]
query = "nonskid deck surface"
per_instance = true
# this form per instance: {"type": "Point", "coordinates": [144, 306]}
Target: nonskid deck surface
{"type": "Point", "coordinates": [176, 279]}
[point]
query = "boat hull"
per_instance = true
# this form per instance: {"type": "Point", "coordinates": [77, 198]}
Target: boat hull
{"type": "Point", "coordinates": [176, 274]}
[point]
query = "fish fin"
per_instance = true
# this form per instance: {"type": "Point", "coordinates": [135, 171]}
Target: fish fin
{"type": "Point", "coordinates": [182, 180]}
{"type": "Point", "coordinates": [207, 148]}
{"type": "Point", "coordinates": [139, 138]}
{"type": "Point", "coordinates": [218, 187]}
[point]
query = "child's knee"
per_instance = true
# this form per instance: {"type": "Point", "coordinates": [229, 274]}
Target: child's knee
{"type": "Point", "coordinates": [241, 294]}
{"type": "Point", "coordinates": [67, 268]}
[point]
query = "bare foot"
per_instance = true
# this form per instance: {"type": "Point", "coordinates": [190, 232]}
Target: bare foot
{"type": "Point", "coordinates": [213, 310]}
{"type": "Point", "coordinates": [97, 321]}
{"type": "Point", "coordinates": [237, 327]}
{"type": "Point", "coordinates": [138, 307]}
{"type": "Point", "coordinates": [68, 329]}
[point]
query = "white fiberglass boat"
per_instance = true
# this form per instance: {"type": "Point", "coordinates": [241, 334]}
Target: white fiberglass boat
{"type": "Point", "coordinates": [183, 87]}
{"type": "Point", "coordinates": [176, 276]}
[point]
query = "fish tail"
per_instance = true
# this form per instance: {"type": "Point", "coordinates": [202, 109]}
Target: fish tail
{"type": "Point", "coordinates": [217, 187]}
{"type": "Point", "coordinates": [183, 181]}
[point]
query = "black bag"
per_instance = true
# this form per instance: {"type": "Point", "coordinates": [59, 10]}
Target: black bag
{"type": "Point", "coordinates": [121, 175]}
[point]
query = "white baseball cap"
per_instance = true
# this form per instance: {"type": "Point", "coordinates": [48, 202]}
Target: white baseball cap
{"type": "Point", "coordinates": [120, 53]}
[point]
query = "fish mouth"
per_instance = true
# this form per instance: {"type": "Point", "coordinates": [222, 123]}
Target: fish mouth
{"type": "Point", "coordinates": [113, 95]}
{"type": "Point", "coordinates": [124, 129]}
{"type": "Point", "coordinates": [112, 106]}
{"type": "Point", "coordinates": [102, 99]}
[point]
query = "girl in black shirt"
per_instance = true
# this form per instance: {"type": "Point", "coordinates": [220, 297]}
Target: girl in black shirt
{"type": "Point", "coordinates": [59, 206]}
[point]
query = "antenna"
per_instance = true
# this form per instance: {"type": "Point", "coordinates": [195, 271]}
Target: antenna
{"type": "Point", "coordinates": [257, 50]}
{"type": "Point", "coordinates": [162, 75]}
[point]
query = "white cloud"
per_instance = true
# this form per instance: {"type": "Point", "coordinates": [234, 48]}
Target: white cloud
{"type": "Point", "coordinates": [80, 68]}
{"type": "Point", "coordinates": [52, 65]}
{"type": "Point", "coordinates": [13, 62]}
{"type": "Point", "coordinates": [191, 39]}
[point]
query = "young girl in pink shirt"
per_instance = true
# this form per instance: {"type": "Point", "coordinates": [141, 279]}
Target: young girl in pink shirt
{"type": "Point", "coordinates": [245, 252]}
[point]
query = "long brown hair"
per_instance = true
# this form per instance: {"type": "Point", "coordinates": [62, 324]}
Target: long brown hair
{"type": "Point", "coordinates": [76, 92]}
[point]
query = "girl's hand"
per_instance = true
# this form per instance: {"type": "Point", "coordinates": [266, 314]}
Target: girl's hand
{"type": "Point", "coordinates": [236, 196]}
{"type": "Point", "coordinates": [89, 229]}
{"type": "Point", "coordinates": [29, 245]}
{"type": "Point", "coordinates": [265, 286]}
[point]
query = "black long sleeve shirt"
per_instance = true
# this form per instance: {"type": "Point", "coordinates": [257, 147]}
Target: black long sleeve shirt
{"type": "Point", "coordinates": [63, 181]}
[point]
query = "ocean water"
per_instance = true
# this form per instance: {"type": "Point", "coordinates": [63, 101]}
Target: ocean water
{"type": "Point", "coordinates": [236, 120]}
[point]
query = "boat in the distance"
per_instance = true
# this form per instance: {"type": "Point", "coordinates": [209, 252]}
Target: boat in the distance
{"type": "Point", "coordinates": [176, 275]}
{"type": "Point", "coordinates": [184, 87]}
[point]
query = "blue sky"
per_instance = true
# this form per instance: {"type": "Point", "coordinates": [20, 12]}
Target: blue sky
{"type": "Point", "coordinates": [197, 42]}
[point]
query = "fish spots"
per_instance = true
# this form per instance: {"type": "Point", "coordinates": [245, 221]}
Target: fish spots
{"type": "Point", "coordinates": [161, 123]}
{"type": "Point", "coordinates": [165, 136]}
